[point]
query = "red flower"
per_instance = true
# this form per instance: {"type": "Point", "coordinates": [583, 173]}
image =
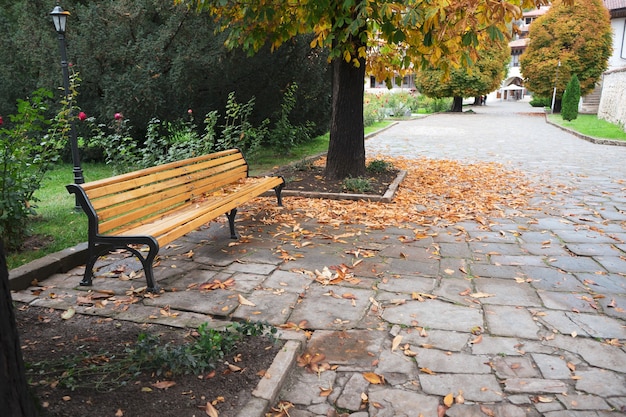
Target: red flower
{"type": "Point", "coordinates": [118, 116]}
{"type": "Point", "coordinates": [82, 116]}
{"type": "Point", "coordinates": [190, 112]}
{"type": "Point", "coordinates": [1, 121]}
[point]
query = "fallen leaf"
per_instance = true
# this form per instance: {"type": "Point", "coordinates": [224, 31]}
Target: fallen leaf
{"type": "Point", "coordinates": [448, 400]}
{"type": "Point", "coordinates": [210, 410]}
{"type": "Point", "coordinates": [68, 314]}
{"type": "Point", "coordinates": [481, 295]}
{"type": "Point", "coordinates": [374, 378]}
{"type": "Point", "coordinates": [244, 302]}
{"type": "Point", "coordinates": [396, 342]}
{"type": "Point", "coordinates": [163, 384]}
{"type": "Point", "coordinates": [487, 411]}
{"type": "Point", "coordinates": [325, 392]}
{"type": "Point", "coordinates": [477, 340]}
{"type": "Point", "coordinates": [119, 413]}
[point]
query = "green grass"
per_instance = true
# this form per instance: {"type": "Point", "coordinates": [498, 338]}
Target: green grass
{"type": "Point", "coordinates": [589, 124]}
{"type": "Point", "coordinates": [56, 216]}
{"type": "Point", "coordinates": [57, 219]}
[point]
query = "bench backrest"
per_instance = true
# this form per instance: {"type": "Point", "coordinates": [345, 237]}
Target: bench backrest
{"type": "Point", "coordinates": [123, 201]}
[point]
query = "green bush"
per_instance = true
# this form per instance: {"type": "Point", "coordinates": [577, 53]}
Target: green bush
{"type": "Point", "coordinates": [357, 185]}
{"type": "Point", "coordinates": [540, 101]}
{"type": "Point", "coordinates": [285, 135]}
{"type": "Point", "coordinates": [29, 145]}
{"type": "Point", "coordinates": [378, 166]}
{"type": "Point", "coordinates": [571, 97]}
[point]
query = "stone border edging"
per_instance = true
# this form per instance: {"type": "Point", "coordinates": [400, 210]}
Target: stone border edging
{"type": "Point", "coordinates": [592, 139]}
{"type": "Point", "coordinates": [40, 269]}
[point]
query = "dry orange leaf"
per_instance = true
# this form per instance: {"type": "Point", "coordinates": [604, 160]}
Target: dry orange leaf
{"type": "Point", "coordinates": [210, 410]}
{"type": "Point", "coordinates": [374, 378]}
{"type": "Point", "coordinates": [163, 384]}
{"type": "Point", "coordinates": [448, 400]}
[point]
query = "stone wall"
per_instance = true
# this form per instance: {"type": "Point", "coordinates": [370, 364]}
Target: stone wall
{"type": "Point", "coordinates": [613, 100]}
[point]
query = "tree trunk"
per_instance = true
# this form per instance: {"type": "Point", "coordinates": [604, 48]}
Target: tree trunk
{"type": "Point", "coordinates": [15, 399]}
{"type": "Point", "coordinates": [457, 105]}
{"type": "Point", "coordinates": [346, 149]}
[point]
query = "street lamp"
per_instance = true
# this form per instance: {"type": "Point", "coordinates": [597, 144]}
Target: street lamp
{"type": "Point", "coordinates": [59, 18]}
{"type": "Point", "coordinates": [556, 78]}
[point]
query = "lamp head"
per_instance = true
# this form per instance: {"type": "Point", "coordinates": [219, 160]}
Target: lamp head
{"type": "Point", "coordinates": [59, 18]}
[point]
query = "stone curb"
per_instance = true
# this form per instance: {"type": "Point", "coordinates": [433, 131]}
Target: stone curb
{"type": "Point", "coordinates": [598, 141]}
{"type": "Point", "coordinates": [40, 269]}
{"type": "Point", "coordinates": [267, 390]}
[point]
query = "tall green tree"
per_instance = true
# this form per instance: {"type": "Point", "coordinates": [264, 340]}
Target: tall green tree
{"type": "Point", "coordinates": [571, 97]}
{"type": "Point", "coordinates": [384, 36]}
{"type": "Point", "coordinates": [578, 36]}
{"type": "Point", "coordinates": [481, 78]}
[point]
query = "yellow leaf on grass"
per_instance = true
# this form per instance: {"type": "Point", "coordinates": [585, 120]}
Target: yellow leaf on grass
{"type": "Point", "coordinates": [373, 378]}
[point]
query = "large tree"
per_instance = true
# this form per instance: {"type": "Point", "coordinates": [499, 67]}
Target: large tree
{"type": "Point", "coordinates": [399, 33]}
{"type": "Point", "coordinates": [569, 39]}
{"type": "Point", "coordinates": [15, 399]}
{"type": "Point", "coordinates": [482, 78]}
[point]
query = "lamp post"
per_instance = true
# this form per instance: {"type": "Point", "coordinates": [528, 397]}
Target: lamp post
{"type": "Point", "coordinates": [556, 78]}
{"type": "Point", "coordinates": [59, 18]}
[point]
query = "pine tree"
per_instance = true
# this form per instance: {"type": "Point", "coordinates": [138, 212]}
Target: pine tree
{"type": "Point", "coordinates": [571, 97]}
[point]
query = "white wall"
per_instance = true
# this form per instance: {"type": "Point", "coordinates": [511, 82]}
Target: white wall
{"type": "Point", "coordinates": [613, 100]}
{"type": "Point", "coordinates": [618, 59]}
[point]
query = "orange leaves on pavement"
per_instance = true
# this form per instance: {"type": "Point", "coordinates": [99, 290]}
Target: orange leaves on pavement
{"type": "Point", "coordinates": [433, 192]}
{"type": "Point", "coordinates": [374, 378]}
{"type": "Point", "coordinates": [217, 284]}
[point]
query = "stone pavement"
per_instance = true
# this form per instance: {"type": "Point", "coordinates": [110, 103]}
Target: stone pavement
{"type": "Point", "coordinates": [516, 316]}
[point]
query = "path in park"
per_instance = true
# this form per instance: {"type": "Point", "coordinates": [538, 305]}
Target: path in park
{"type": "Point", "coordinates": [523, 316]}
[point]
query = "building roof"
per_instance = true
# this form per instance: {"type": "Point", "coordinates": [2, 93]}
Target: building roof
{"type": "Point", "coordinates": [537, 12]}
{"type": "Point", "coordinates": [614, 4]}
{"type": "Point", "coordinates": [519, 43]}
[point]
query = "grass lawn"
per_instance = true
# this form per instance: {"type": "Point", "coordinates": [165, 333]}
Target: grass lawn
{"type": "Point", "coordinates": [590, 125]}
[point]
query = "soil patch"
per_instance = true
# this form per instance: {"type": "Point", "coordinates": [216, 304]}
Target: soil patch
{"type": "Point", "coordinates": [309, 177]}
{"type": "Point", "coordinates": [45, 336]}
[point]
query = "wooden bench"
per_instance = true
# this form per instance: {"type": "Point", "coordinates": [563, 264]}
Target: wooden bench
{"type": "Point", "coordinates": [157, 205]}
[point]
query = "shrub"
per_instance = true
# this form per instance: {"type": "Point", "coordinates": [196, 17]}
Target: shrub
{"type": "Point", "coordinates": [285, 135]}
{"type": "Point", "coordinates": [378, 166]}
{"type": "Point", "coordinates": [540, 101]}
{"type": "Point", "coordinates": [29, 145]}
{"type": "Point", "coordinates": [357, 185]}
{"type": "Point", "coordinates": [571, 97]}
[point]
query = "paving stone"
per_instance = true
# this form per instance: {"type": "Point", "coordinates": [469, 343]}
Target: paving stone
{"type": "Point", "coordinates": [454, 363]}
{"type": "Point", "coordinates": [482, 270]}
{"type": "Point", "coordinates": [404, 267]}
{"type": "Point", "coordinates": [327, 312]}
{"type": "Point", "coordinates": [507, 292]}
{"type": "Point", "coordinates": [604, 284]}
{"type": "Point", "coordinates": [592, 249]}
{"type": "Point", "coordinates": [500, 410]}
{"type": "Point", "coordinates": [509, 346]}
{"type": "Point", "coordinates": [407, 284]}
{"type": "Point", "coordinates": [401, 403]}
{"type": "Point", "coordinates": [514, 367]}
{"type": "Point", "coordinates": [510, 321]}
{"type": "Point", "coordinates": [518, 260]}
{"type": "Point", "coordinates": [303, 387]}
{"type": "Point", "coordinates": [583, 402]}
{"type": "Point", "coordinates": [439, 339]}
{"type": "Point", "coordinates": [599, 326]}
{"type": "Point", "coordinates": [288, 281]}
{"type": "Point", "coordinates": [601, 382]}
{"type": "Point", "coordinates": [551, 366]}
{"type": "Point", "coordinates": [575, 264]}
{"type": "Point", "coordinates": [479, 388]}
{"type": "Point", "coordinates": [352, 350]}
{"type": "Point", "coordinates": [434, 314]}
{"type": "Point", "coordinates": [215, 302]}
{"type": "Point", "coordinates": [552, 405]}
{"type": "Point", "coordinates": [191, 279]}
{"type": "Point", "coordinates": [534, 385]}
{"type": "Point", "coordinates": [614, 264]}
{"type": "Point", "coordinates": [491, 249]}
{"type": "Point", "coordinates": [566, 301]}
{"type": "Point", "coordinates": [251, 267]}
{"type": "Point", "coordinates": [451, 288]}
{"type": "Point", "coordinates": [455, 250]}
{"type": "Point", "coordinates": [570, 413]}
{"type": "Point", "coordinates": [551, 279]}
{"type": "Point", "coordinates": [614, 306]}
{"type": "Point", "coordinates": [350, 397]}
{"type": "Point", "coordinates": [561, 322]}
{"type": "Point", "coordinates": [396, 367]}
{"type": "Point", "coordinates": [582, 236]}
{"type": "Point", "coordinates": [543, 250]}
{"type": "Point", "coordinates": [593, 352]}
{"type": "Point", "coordinates": [269, 306]}
{"type": "Point", "coordinates": [619, 403]}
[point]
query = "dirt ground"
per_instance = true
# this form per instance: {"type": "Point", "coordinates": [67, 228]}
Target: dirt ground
{"type": "Point", "coordinates": [45, 336]}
